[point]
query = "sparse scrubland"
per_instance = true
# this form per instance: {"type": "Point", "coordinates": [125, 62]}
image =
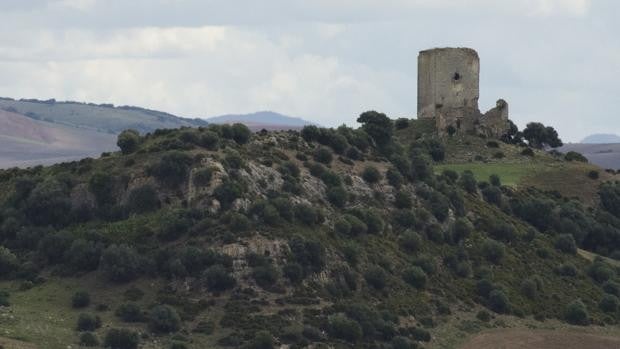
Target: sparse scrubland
{"type": "Point", "coordinates": [383, 236]}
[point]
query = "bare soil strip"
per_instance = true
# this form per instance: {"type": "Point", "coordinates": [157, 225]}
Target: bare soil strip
{"type": "Point", "coordinates": [540, 339]}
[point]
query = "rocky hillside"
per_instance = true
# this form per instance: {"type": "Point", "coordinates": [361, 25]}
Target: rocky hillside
{"type": "Point", "coordinates": [217, 237]}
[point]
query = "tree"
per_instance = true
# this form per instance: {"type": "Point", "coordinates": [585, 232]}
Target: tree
{"type": "Point", "coordinates": [539, 136]}
{"type": "Point", "coordinates": [378, 126]}
{"type": "Point", "coordinates": [121, 339]}
{"type": "Point", "coordinates": [576, 313]}
{"type": "Point", "coordinates": [143, 199]}
{"type": "Point", "coordinates": [415, 276]}
{"type": "Point", "coordinates": [8, 261]}
{"type": "Point", "coordinates": [371, 174]}
{"type": "Point", "coordinates": [219, 279]}
{"type": "Point", "coordinates": [164, 319]}
{"type": "Point", "coordinates": [128, 141]}
{"type": "Point", "coordinates": [241, 133]}
{"type": "Point", "coordinates": [120, 263]}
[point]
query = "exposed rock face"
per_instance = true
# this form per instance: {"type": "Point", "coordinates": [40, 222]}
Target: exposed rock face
{"type": "Point", "coordinates": [448, 90]}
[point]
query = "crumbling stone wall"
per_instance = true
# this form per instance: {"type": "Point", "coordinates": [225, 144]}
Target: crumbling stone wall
{"type": "Point", "coordinates": [448, 91]}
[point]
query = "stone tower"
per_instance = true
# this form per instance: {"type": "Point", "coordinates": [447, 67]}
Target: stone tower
{"type": "Point", "coordinates": [448, 91]}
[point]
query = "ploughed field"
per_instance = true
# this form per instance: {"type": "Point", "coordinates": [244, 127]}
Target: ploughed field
{"type": "Point", "coordinates": [541, 339]}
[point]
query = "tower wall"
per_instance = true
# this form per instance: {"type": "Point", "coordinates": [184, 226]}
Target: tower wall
{"type": "Point", "coordinates": [448, 81]}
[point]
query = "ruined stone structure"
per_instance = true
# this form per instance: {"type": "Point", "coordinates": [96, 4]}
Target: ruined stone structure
{"type": "Point", "coordinates": [448, 91]}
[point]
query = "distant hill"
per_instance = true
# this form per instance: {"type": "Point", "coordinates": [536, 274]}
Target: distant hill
{"type": "Point", "coordinates": [34, 132]}
{"type": "Point", "coordinates": [262, 120]}
{"type": "Point", "coordinates": [601, 138]}
{"type": "Point", "coordinates": [603, 155]}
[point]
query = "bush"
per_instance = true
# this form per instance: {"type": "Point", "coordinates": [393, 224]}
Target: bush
{"type": "Point", "coordinates": [129, 312]}
{"type": "Point", "coordinates": [143, 199]}
{"type": "Point", "coordinates": [576, 313]}
{"type": "Point", "coordinates": [503, 231]}
{"type": "Point", "coordinates": [371, 174]}
{"type": "Point", "coordinates": [358, 227]}
{"type": "Point", "coordinates": [241, 133]}
{"type": "Point", "coordinates": [593, 174]}
{"type": "Point", "coordinates": [172, 169]}
{"type": "Point", "coordinates": [294, 272]}
{"type": "Point", "coordinates": [307, 214]}
{"type": "Point", "coordinates": [210, 140]}
{"type": "Point", "coordinates": [218, 278]}
{"type": "Point", "coordinates": [337, 196]}
{"type": "Point", "coordinates": [164, 319]}
{"type": "Point", "coordinates": [376, 277]}
{"type": "Point", "coordinates": [262, 340]}
{"type": "Point", "coordinates": [265, 275]}
{"type": "Point", "coordinates": [121, 339]}
{"type": "Point", "coordinates": [498, 302]}
{"type": "Point", "coordinates": [120, 263]}
{"type": "Point", "coordinates": [575, 156]}
{"type": "Point", "coordinates": [600, 272]}
{"type": "Point", "coordinates": [401, 123]}
{"type": "Point", "coordinates": [309, 254]}
{"type": "Point", "coordinates": [203, 177]}
{"type": "Point", "coordinates": [227, 192]}
{"type": "Point", "coordinates": [609, 303]}
{"type": "Point", "coordinates": [461, 229]}
{"type": "Point", "coordinates": [492, 144]}
{"type": "Point", "coordinates": [483, 316]}
{"type": "Point", "coordinates": [310, 133]}
{"type": "Point", "coordinates": [415, 277]}
{"type": "Point", "coordinates": [80, 299]}
{"type": "Point", "coordinates": [567, 269]}
{"type": "Point", "coordinates": [89, 339]}
{"type": "Point", "coordinates": [468, 182]}
{"type": "Point", "coordinates": [530, 288]}
{"type": "Point", "coordinates": [8, 262]}
{"type": "Point", "coordinates": [342, 226]}
{"type": "Point", "coordinates": [402, 200]}
{"type": "Point", "coordinates": [340, 326]}
{"type": "Point", "coordinates": [527, 152]}
{"type": "Point", "coordinates": [612, 288]}
{"type": "Point", "coordinates": [400, 342]}
{"type": "Point", "coordinates": [411, 241]}
{"type": "Point", "coordinates": [331, 179]}
{"type": "Point", "coordinates": [493, 251]}
{"type": "Point", "coordinates": [128, 141]}
{"type": "Point", "coordinates": [495, 180]}
{"type": "Point", "coordinates": [88, 322]}
{"type": "Point", "coordinates": [566, 243]}
{"type": "Point", "coordinates": [323, 155]}
{"type": "Point", "coordinates": [492, 195]}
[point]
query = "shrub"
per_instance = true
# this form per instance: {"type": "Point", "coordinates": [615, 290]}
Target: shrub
{"type": "Point", "coordinates": [493, 251]}
{"type": "Point", "coordinates": [241, 133]}
{"type": "Point", "coordinates": [461, 229]}
{"type": "Point", "coordinates": [575, 156]}
{"type": "Point", "coordinates": [420, 334]}
{"type": "Point", "coordinates": [402, 200]}
{"type": "Point", "coordinates": [567, 269]}
{"type": "Point", "coordinates": [498, 302]}
{"type": "Point", "coordinates": [143, 199]}
{"type": "Point", "coordinates": [503, 231]}
{"type": "Point", "coordinates": [80, 299]}
{"type": "Point", "coordinates": [4, 299]}
{"type": "Point", "coordinates": [310, 133]}
{"type": "Point", "coordinates": [8, 261]}
{"type": "Point", "coordinates": [593, 174]}
{"type": "Point", "coordinates": [89, 339]}
{"type": "Point", "coordinates": [88, 322]}
{"type": "Point", "coordinates": [358, 227]}
{"type": "Point", "coordinates": [499, 155]}
{"type": "Point", "coordinates": [129, 312]}
{"type": "Point", "coordinates": [227, 192]}
{"type": "Point", "coordinates": [495, 180]}
{"type": "Point", "coordinates": [210, 140]}
{"type": "Point", "coordinates": [203, 177]}
{"type": "Point", "coordinates": [492, 144]}
{"type": "Point", "coordinates": [530, 288]}
{"type": "Point", "coordinates": [342, 226]}
{"type": "Point", "coordinates": [373, 221]}
{"type": "Point", "coordinates": [376, 277]}
{"type": "Point", "coordinates": [527, 152]}
{"type": "Point", "coordinates": [309, 254]}
{"type": "Point", "coordinates": [121, 339]}
{"type": "Point", "coordinates": [394, 177]}
{"type": "Point", "coordinates": [612, 288]}
{"type": "Point", "coordinates": [128, 141]}
{"type": "Point", "coordinates": [331, 179]}
{"type": "Point", "coordinates": [342, 327]}
{"type": "Point", "coordinates": [323, 155]}
{"type": "Point", "coordinates": [218, 278]}
{"type": "Point", "coordinates": [576, 313]}
{"type": "Point", "coordinates": [306, 214]}
{"type": "Point", "coordinates": [411, 241]}
{"type": "Point", "coordinates": [483, 316]}
{"type": "Point", "coordinates": [371, 174]}
{"type": "Point", "coordinates": [293, 271]}
{"type": "Point", "coordinates": [468, 182]}
{"type": "Point", "coordinates": [600, 272]}
{"type": "Point", "coordinates": [234, 160]}
{"type": "Point", "coordinates": [337, 196]}
{"type": "Point", "coordinates": [434, 233]}
{"type": "Point", "coordinates": [120, 263]}
{"type": "Point", "coordinates": [609, 303]}
{"type": "Point", "coordinates": [401, 123]}
{"type": "Point", "coordinates": [566, 243]}
{"type": "Point", "coordinates": [172, 169]}
{"type": "Point", "coordinates": [401, 342]}
{"type": "Point", "coordinates": [415, 276]}
{"type": "Point", "coordinates": [265, 275]}
{"type": "Point", "coordinates": [262, 340]}
{"type": "Point", "coordinates": [164, 319]}
{"type": "Point", "coordinates": [492, 195]}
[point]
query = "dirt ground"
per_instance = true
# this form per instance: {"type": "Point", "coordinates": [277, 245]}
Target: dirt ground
{"type": "Point", "coordinates": [6, 343]}
{"type": "Point", "coordinates": [540, 339]}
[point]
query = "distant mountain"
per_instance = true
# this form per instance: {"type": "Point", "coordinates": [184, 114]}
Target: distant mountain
{"type": "Point", "coordinates": [262, 120]}
{"type": "Point", "coordinates": [601, 138]}
{"type": "Point", "coordinates": [603, 155]}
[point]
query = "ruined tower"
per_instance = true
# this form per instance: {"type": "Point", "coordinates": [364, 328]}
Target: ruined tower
{"type": "Point", "coordinates": [448, 90]}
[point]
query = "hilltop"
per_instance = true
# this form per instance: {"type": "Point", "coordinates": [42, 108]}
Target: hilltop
{"type": "Point", "coordinates": [383, 236]}
{"type": "Point", "coordinates": [262, 120]}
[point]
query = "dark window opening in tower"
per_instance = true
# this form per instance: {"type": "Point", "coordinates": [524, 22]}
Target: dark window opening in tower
{"type": "Point", "coordinates": [458, 124]}
{"type": "Point", "coordinates": [456, 77]}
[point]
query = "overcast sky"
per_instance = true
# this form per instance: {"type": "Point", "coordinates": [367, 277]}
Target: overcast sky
{"type": "Point", "coordinates": [555, 61]}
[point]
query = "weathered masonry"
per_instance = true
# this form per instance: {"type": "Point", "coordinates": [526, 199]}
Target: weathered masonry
{"type": "Point", "coordinates": [448, 91]}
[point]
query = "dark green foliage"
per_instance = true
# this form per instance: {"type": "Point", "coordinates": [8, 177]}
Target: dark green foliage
{"type": "Point", "coordinates": [309, 254]}
{"type": "Point", "coordinates": [343, 226]}
{"type": "Point", "coordinates": [610, 198]}
{"type": "Point", "coordinates": [600, 271]}
{"type": "Point", "coordinates": [371, 174]}
{"type": "Point", "coordinates": [129, 312]}
{"type": "Point", "coordinates": [483, 316]}
{"type": "Point", "coordinates": [164, 319]}
{"type": "Point", "coordinates": [354, 153]}
{"type": "Point", "coordinates": [307, 214]}
{"type": "Point", "coordinates": [102, 186]}
{"type": "Point", "coordinates": [411, 241]}
{"type": "Point", "coordinates": [415, 277]}
{"type": "Point", "coordinates": [8, 262]}
{"type": "Point", "coordinates": [434, 233]}
{"type": "Point", "coordinates": [492, 144]}
{"type": "Point", "coordinates": [358, 227]}
{"type": "Point", "coordinates": [461, 229]}
{"type": "Point", "coordinates": [227, 192]}
{"type": "Point", "coordinates": [172, 169]}
{"type": "Point", "coordinates": [593, 174]}
{"type": "Point", "coordinates": [539, 136]}
{"type": "Point", "coordinates": [402, 200]}
{"type": "Point", "coordinates": [394, 177]}
{"type": "Point", "coordinates": [218, 278]}
{"type": "Point", "coordinates": [567, 269]}
{"type": "Point", "coordinates": [4, 299]}
{"type": "Point", "coordinates": [48, 204]}
{"type": "Point", "coordinates": [121, 339]}
{"type": "Point", "coordinates": [609, 303]}
{"type": "Point", "coordinates": [331, 179]}
{"type": "Point", "coordinates": [612, 288]}
{"type": "Point", "coordinates": [293, 271]}
{"type": "Point", "coordinates": [120, 263]}
{"type": "Point", "coordinates": [376, 277]}
{"type": "Point", "coordinates": [310, 133]}
{"type": "Point", "coordinates": [290, 168]}
{"type": "Point", "coordinates": [84, 255]}
{"type": "Point", "coordinates": [566, 243]}
{"type": "Point", "coordinates": [262, 340]}
{"type": "Point", "coordinates": [498, 302]}
{"type": "Point", "coordinates": [373, 221]}
{"type": "Point", "coordinates": [401, 123]}
{"type": "Point", "coordinates": [575, 156]}
{"type": "Point", "coordinates": [530, 287]}
{"type": "Point", "coordinates": [53, 247]}
{"type": "Point", "coordinates": [88, 339]}
{"type": "Point", "coordinates": [527, 152]}
{"type": "Point", "coordinates": [468, 182]}
{"type": "Point", "coordinates": [128, 141]}
{"type": "Point", "coordinates": [405, 218]}
{"type": "Point", "coordinates": [495, 180]}
{"type": "Point", "coordinates": [80, 299]}
{"type": "Point", "coordinates": [420, 334]}
{"type": "Point", "coordinates": [241, 133]}
{"type": "Point", "coordinates": [323, 155]}
{"type": "Point", "coordinates": [503, 231]}
{"type": "Point", "coordinates": [203, 177]}
{"type": "Point", "coordinates": [420, 165]}
{"type": "Point", "coordinates": [234, 160]}
{"type": "Point", "coordinates": [576, 313]}
{"type": "Point", "coordinates": [337, 196]}
{"type": "Point", "coordinates": [493, 195]}
{"type": "Point", "coordinates": [377, 125]}
{"type": "Point", "coordinates": [535, 211]}
{"type": "Point", "coordinates": [493, 251]}
{"type": "Point", "coordinates": [210, 140]}
{"type": "Point", "coordinates": [340, 326]}
{"type": "Point", "coordinates": [143, 199]}
{"type": "Point", "coordinates": [400, 342]}
{"type": "Point", "coordinates": [265, 275]}
{"type": "Point", "coordinates": [88, 322]}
